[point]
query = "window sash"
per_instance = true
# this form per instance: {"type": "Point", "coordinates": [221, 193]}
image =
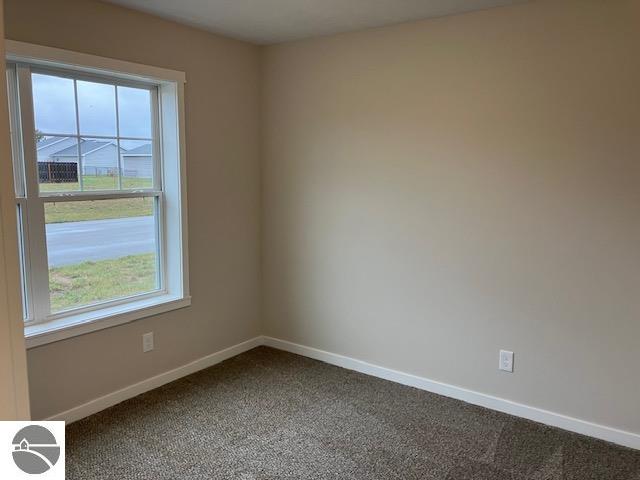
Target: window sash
{"type": "Point", "coordinates": [78, 135]}
{"type": "Point", "coordinates": [16, 132]}
{"type": "Point", "coordinates": [30, 201]}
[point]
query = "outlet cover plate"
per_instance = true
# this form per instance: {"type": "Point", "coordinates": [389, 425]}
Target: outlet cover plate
{"type": "Point", "coordinates": [506, 361]}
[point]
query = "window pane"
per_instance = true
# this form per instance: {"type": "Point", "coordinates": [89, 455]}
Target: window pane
{"type": "Point", "coordinates": [53, 104]}
{"type": "Point", "coordinates": [57, 163]}
{"type": "Point", "coordinates": [137, 164]}
{"type": "Point", "coordinates": [97, 108]}
{"type": "Point", "coordinates": [134, 111]}
{"type": "Point", "coordinates": [100, 250]}
{"type": "Point", "coordinates": [99, 164]}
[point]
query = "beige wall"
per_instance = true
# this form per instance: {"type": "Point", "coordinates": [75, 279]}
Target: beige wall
{"type": "Point", "coordinates": [436, 191]}
{"type": "Point", "coordinates": [223, 197]}
{"type": "Point", "coordinates": [14, 398]}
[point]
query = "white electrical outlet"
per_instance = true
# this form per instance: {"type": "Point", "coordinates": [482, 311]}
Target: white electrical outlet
{"type": "Point", "coordinates": [506, 361]}
{"type": "Point", "coordinates": [147, 342]}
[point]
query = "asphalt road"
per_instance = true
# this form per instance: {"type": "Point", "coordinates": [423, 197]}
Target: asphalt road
{"type": "Point", "coordinates": [76, 242]}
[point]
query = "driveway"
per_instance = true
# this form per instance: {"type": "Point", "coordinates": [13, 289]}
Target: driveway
{"type": "Point", "coordinates": [76, 242]}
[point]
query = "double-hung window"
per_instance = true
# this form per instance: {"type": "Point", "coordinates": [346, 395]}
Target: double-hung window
{"type": "Point", "coordinates": [99, 183]}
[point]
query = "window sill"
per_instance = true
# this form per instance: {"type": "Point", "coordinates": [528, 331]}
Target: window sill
{"type": "Point", "coordinates": [87, 322]}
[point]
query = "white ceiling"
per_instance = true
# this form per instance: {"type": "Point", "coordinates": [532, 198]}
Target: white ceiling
{"type": "Point", "coordinates": [273, 21]}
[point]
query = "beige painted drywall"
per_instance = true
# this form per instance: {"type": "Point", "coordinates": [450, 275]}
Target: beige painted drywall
{"type": "Point", "coordinates": [223, 197]}
{"type": "Point", "coordinates": [14, 393]}
{"type": "Point", "coordinates": [437, 191]}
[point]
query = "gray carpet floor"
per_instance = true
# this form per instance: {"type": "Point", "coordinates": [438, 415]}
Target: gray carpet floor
{"type": "Point", "coordinates": [268, 414]}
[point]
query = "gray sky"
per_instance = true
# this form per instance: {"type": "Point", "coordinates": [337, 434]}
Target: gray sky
{"type": "Point", "coordinates": [54, 105]}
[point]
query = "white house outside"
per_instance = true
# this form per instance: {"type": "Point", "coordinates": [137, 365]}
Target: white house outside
{"type": "Point", "coordinates": [99, 157]}
{"type": "Point", "coordinates": [46, 146]}
{"type": "Point", "coordinates": [138, 162]}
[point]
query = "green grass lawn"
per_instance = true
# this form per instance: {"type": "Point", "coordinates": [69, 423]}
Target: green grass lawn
{"type": "Point", "coordinates": [92, 182]}
{"type": "Point", "coordinates": [78, 211]}
{"type": "Point", "coordinates": [90, 282]}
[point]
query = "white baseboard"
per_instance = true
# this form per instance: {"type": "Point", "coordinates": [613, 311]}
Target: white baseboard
{"type": "Point", "coordinates": [583, 427]}
{"type": "Point", "coordinates": [564, 422]}
{"type": "Point", "coordinates": [113, 398]}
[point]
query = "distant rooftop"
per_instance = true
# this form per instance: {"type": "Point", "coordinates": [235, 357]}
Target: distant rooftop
{"type": "Point", "coordinates": [49, 140]}
{"type": "Point", "coordinates": [86, 146]}
{"type": "Point", "coordinates": [141, 150]}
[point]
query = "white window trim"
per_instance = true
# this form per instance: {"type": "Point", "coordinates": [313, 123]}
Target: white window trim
{"type": "Point", "coordinates": [170, 84]}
